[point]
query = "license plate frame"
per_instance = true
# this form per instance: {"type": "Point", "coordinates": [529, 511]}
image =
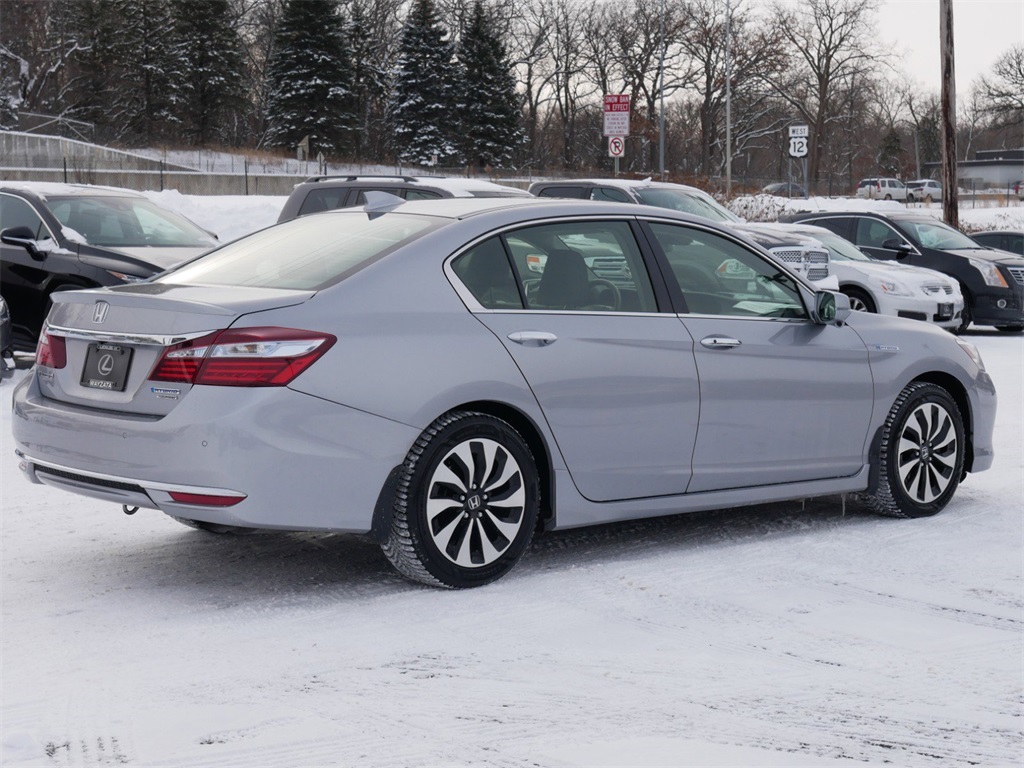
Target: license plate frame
{"type": "Point", "coordinates": [944, 311]}
{"type": "Point", "coordinates": [106, 366]}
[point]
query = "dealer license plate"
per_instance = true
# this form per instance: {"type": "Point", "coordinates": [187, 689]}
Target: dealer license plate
{"type": "Point", "coordinates": [945, 312]}
{"type": "Point", "coordinates": [106, 366]}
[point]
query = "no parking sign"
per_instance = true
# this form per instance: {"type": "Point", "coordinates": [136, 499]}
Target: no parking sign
{"type": "Point", "coordinates": [616, 146]}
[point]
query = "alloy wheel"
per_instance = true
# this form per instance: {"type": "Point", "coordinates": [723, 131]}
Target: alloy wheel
{"type": "Point", "coordinates": [475, 502]}
{"type": "Point", "coordinates": [927, 453]}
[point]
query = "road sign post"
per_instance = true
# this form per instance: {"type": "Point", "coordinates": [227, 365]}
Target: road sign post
{"type": "Point", "coordinates": [616, 149]}
{"type": "Point", "coordinates": [799, 147]}
{"type": "Point", "coordinates": [798, 144]}
{"type": "Point", "coordinates": [616, 114]}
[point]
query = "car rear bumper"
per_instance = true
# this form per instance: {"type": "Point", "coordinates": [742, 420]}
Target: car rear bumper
{"type": "Point", "coordinates": [324, 472]}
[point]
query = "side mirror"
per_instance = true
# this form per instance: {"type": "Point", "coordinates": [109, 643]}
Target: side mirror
{"type": "Point", "coordinates": [831, 308]}
{"type": "Point", "coordinates": [24, 237]}
{"type": "Point", "coordinates": [901, 248]}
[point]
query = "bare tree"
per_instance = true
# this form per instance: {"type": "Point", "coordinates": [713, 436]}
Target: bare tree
{"type": "Point", "coordinates": [1003, 91]}
{"type": "Point", "coordinates": [643, 31]}
{"type": "Point", "coordinates": [756, 55]}
{"type": "Point", "coordinates": [831, 43]}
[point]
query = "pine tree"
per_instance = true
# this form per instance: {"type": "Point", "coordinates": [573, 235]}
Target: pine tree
{"type": "Point", "coordinates": [372, 39]}
{"type": "Point", "coordinates": [890, 153]}
{"type": "Point", "coordinates": [310, 79]}
{"type": "Point", "coordinates": [92, 69]}
{"type": "Point", "coordinates": [209, 95]}
{"type": "Point", "coordinates": [490, 113]}
{"type": "Point", "coordinates": [426, 89]}
{"type": "Point", "coordinates": [144, 99]}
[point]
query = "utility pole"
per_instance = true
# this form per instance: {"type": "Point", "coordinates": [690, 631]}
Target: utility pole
{"type": "Point", "coordinates": [728, 99]}
{"type": "Point", "coordinates": [661, 88]}
{"type": "Point", "coordinates": [950, 211]}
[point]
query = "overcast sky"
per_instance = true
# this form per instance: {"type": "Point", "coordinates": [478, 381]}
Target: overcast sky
{"type": "Point", "coordinates": [982, 30]}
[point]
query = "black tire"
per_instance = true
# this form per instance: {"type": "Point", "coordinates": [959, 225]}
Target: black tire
{"type": "Point", "coordinates": [1010, 328]}
{"type": "Point", "coordinates": [467, 537]}
{"type": "Point", "coordinates": [888, 197]}
{"type": "Point", "coordinates": [920, 453]}
{"type": "Point", "coordinates": [199, 525]}
{"type": "Point", "coordinates": [967, 316]}
{"type": "Point", "coordinates": [860, 301]}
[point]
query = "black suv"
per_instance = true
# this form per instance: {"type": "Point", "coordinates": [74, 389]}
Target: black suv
{"type": "Point", "coordinates": [325, 193]}
{"type": "Point", "coordinates": [992, 281]}
{"type": "Point", "coordinates": [59, 237]}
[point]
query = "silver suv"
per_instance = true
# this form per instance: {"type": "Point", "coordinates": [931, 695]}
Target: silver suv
{"type": "Point", "coordinates": [325, 193]}
{"type": "Point", "coordinates": [885, 189]}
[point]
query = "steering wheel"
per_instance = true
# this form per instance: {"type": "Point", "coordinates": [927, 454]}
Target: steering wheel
{"type": "Point", "coordinates": [603, 294]}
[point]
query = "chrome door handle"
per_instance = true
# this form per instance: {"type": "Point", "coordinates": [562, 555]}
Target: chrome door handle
{"type": "Point", "coordinates": [533, 338]}
{"type": "Point", "coordinates": [719, 342]}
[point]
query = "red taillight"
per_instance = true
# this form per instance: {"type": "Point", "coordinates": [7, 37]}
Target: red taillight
{"type": "Point", "coordinates": [205, 499]}
{"type": "Point", "coordinates": [244, 357]}
{"type": "Point", "coordinates": [51, 351]}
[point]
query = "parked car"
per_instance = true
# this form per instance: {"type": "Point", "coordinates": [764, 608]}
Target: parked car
{"type": "Point", "coordinates": [59, 237]}
{"type": "Point", "coordinates": [927, 190]}
{"type": "Point", "coordinates": [675, 197]}
{"type": "Point", "coordinates": [785, 189]}
{"type": "Point", "coordinates": [400, 372]}
{"type": "Point", "coordinates": [886, 287]}
{"type": "Point", "coordinates": [992, 282]}
{"type": "Point", "coordinates": [1011, 240]}
{"type": "Point", "coordinates": [6, 342]}
{"type": "Point", "coordinates": [884, 189]}
{"type": "Point", "coordinates": [804, 255]}
{"type": "Point", "coordinates": [326, 193]}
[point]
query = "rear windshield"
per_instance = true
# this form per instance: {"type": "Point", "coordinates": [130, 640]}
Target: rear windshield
{"type": "Point", "coordinates": [305, 254]}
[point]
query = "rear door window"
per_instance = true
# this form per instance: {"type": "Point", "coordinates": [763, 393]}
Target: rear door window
{"type": "Point", "coordinates": [590, 266]}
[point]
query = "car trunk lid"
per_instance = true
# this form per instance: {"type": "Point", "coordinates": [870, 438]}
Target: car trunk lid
{"type": "Point", "coordinates": [110, 340]}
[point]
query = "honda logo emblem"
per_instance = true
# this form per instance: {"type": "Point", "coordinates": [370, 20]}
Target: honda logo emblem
{"type": "Point", "coordinates": [99, 312]}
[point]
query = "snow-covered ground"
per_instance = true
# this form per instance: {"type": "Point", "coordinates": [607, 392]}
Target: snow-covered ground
{"type": "Point", "coordinates": [781, 635]}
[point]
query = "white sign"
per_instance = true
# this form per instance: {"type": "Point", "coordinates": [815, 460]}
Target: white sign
{"type": "Point", "coordinates": [798, 130]}
{"type": "Point", "coordinates": [616, 146]}
{"type": "Point", "coordinates": [616, 114]}
{"type": "Point", "coordinates": [798, 146]}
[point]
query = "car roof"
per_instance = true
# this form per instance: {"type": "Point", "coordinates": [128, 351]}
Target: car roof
{"type": "Point", "coordinates": [619, 183]}
{"type": "Point", "coordinates": [521, 208]}
{"type": "Point", "coordinates": [901, 215]}
{"type": "Point", "coordinates": [458, 187]}
{"type": "Point", "coordinates": [999, 232]}
{"type": "Point", "coordinates": [44, 189]}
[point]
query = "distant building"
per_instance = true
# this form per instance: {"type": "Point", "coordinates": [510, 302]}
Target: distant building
{"type": "Point", "coordinates": [990, 168]}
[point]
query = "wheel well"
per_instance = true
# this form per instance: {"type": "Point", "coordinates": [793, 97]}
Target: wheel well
{"type": "Point", "coordinates": [959, 394]}
{"type": "Point", "coordinates": [526, 427]}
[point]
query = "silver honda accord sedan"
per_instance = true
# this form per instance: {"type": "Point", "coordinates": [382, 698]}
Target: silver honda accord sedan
{"type": "Point", "coordinates": [450, 376]}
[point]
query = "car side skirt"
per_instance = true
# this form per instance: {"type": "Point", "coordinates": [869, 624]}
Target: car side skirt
{"type": "Point", "coordinates": [573, 511]}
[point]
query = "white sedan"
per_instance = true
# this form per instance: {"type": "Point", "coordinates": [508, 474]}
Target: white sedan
{"type": "Point", "coordinates": [887, 287]}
